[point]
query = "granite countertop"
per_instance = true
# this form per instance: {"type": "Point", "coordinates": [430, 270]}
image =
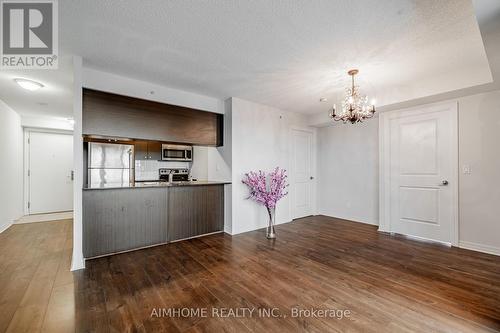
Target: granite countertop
{"type": "Point", "coordinates": [141, 184]}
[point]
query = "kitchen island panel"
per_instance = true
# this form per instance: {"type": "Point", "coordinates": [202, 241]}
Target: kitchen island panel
{"type": "Point", "coordinates": [117, 220]}
{"type": "Point", "coordinates": [195, 211]}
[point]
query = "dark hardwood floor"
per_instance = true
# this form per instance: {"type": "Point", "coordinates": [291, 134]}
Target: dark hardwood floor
{"type": "Point", "coordinates": [36, 286]}
{"type": "Point", "coordinates": [386, 283]}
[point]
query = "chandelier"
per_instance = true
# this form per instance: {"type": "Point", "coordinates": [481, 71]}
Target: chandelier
{"type": "Point", "coordinates": [355, 107]}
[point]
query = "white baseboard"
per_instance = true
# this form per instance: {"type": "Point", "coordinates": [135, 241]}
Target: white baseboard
{"type": "Point", "coordinates": [423, 239]}
{"type": "Point", "coordinates": [253, 228]}
{"type": "Point", "coordinates": [4, 227]}
{"type": "Point", "coordinates": [350, 218]}
{"type": "Point", "coordinates": [479, 247]}
{"type": "Point", "coordinates": [45, 217]}
{"type": "Point", "coordinates": [77, 263]}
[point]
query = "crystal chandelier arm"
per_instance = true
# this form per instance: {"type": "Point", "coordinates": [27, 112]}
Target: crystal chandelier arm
{"type": "Point", "coordinates": [352, 85]}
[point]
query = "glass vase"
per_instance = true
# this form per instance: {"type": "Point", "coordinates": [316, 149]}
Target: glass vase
{"type": "Point", "coordinates": [270, 233]}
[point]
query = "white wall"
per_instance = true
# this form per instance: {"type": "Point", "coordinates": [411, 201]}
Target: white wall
{"type": "Point", "coordinates": [260, 140]}
{"type": "Point", "coordinates": [199, 166]}
{"type": "Point", "coordinates": [11, 168]}
{"type": "Point", "coordinates": [121, 85]}
{"type": "Point", "coordinates": [223, 156]}
{"type": "Point", "coordinates": [46, 122]}
{"type": "Point", "coordinates": [348, 171]}
{"type": "Point", "coordinates": [77, 261]}
{"type": "Point", "coordinates": [479, 191]}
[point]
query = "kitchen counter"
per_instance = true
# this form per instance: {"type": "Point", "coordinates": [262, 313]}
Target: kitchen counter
{"type": "Point", "coordinates": [125, 217]}
{"type": "Point", "coordinates": [139, 184]}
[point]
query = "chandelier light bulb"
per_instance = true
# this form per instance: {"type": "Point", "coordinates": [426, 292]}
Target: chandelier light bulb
{"type": "Point", "coordinates": [332, 111]}
{"type": "Point", "coordinates": [373, 102]}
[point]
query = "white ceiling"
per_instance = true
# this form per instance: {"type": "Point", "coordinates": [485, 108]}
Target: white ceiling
{"type": "Point", "coordinates": [285, 54]}
{"type": "Point", "coordinates": [55, 99]}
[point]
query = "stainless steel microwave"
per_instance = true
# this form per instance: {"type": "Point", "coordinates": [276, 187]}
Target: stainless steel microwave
{"type": "Point", "coordinates": [176, 153]}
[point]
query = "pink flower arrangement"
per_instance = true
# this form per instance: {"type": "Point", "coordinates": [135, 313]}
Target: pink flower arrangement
{"type": "Point", "coordinates": [261, 192]}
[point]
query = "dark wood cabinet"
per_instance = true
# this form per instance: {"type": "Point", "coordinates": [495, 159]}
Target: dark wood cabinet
{"type": "Point", "coordinates": [147, 150]}
{"type": "Point", "coordinates": [116, 220]}
{"type": "Point", "coordinates": [112, 115]}
{"type": "Point", "coordinates": [141, 150]}
{"type": "Point", "coordinates": [154, 150]}
{"type": "Point", "coordinates": [195, 210]}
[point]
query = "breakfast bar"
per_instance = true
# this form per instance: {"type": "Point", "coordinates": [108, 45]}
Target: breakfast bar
{"type": "Point", "coordinates": [117, 219]}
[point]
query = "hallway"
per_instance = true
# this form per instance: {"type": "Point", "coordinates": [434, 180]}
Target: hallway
{"type": "Point", "coordinates": [36, 286]}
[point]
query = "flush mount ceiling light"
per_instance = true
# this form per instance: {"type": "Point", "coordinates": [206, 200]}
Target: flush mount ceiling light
{"type": "Point", "coordinates": [29, 84]}
{"type": "Point", "coordinates": [355, 107]}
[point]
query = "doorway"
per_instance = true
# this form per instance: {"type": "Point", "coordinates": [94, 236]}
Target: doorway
{"type": "Point", "coordinates": [302, 177]}
{"type": "Point", "coordinates": [49, 174]}
{"type": "Point", "coordinates": [419, 176]}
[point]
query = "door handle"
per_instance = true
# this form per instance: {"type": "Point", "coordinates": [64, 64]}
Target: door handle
{"type": "Point", "coordinates": [444, 183]}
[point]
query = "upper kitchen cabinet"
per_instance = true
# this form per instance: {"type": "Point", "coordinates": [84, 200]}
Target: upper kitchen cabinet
{"type": "Point", "coordinates": [154, 150]}
{"type": "Point", "coordinates": [147, 150]}
{"type": "Point", "coordinates": [112, 115]}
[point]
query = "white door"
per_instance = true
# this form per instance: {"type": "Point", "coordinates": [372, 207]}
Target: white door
{"type": "Point", "coordinates": [422, 165]}
{"type": "Point", "coordinates": [302, 175]}
{"type": "Point", "coordinates": [50, 165]}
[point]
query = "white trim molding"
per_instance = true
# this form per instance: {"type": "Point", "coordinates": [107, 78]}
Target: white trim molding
{"type": "Point", "coordinates": [77, 262]}
{"type": "Point", "coordinates": [384, 161]}
{"type": "Point", "coordinates": [5, 226]}
{"type": "Point", "coordinates": [480, 247]}
{"type": "Point", "coordinates": [351, 219]}
{"type": "Point", "coordinates": [45, 217]}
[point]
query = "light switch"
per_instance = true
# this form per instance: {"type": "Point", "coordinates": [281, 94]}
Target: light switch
{"type": "Point", "coordinates": [466, 170]}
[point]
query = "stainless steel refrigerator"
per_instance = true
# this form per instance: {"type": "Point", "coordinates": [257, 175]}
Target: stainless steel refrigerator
{"type": "Point", "coordinates": [110, 165]}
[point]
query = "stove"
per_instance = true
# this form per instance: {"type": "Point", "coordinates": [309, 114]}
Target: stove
{"type": "Point", "coordinates": [174, 175]}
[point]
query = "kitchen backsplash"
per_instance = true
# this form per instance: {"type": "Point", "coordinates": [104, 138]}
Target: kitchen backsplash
{"type": "Point", "coordinates": [198, 169]}
{"type": "Point", "coordinates": [148, 169]}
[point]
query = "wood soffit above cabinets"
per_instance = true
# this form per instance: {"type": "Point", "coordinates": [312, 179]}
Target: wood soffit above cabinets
{"type": "Point", "coordinates": [107, 115]}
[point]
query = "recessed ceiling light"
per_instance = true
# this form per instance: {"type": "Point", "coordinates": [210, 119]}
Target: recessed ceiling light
{"type": "Point", "coordinates": [29, 84]}
{"type": "Point", "coordinates": [323, 99]}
